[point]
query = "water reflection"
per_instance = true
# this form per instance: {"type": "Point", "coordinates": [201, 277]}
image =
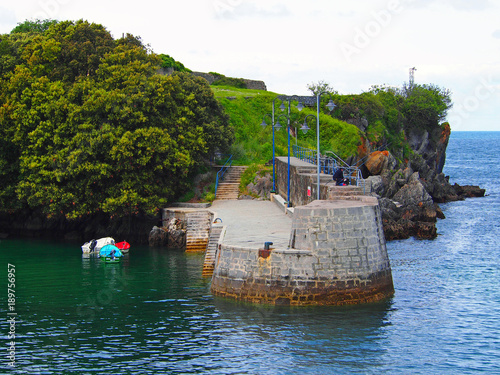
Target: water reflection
{"type": "Point", "coordinates": [307, 338]}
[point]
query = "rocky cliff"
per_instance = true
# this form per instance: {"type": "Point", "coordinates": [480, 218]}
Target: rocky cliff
{"type": "Point", "coordinates": [410, 191]}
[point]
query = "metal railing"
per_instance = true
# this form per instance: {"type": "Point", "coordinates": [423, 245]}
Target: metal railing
{"type": "Point", "coordinates": [329, 163]}
{"type": "Point", "coordinates": [222, 171]}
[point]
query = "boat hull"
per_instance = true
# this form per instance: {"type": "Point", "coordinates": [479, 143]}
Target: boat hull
{"type": "Point", "coordinates": [124, 246]}
{"type": "Point", "coordinates": [111, 260]}
{"type": "Point", "coordinates": [95, 246]}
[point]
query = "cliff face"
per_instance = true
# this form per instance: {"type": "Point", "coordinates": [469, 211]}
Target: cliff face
{"type": "Point", "coordinates": [431, 147]}
{"type": "Point", "coordinates": [409, 191]}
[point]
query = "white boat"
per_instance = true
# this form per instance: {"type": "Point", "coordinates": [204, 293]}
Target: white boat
{"type": "Point", "coordinates": [96, 245]}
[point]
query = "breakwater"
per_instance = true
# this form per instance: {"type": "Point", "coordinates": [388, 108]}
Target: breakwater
{"type": "Point", "coordinates": [336, 255]}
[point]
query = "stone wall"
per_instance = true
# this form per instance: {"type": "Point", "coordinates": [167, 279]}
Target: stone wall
{"type": "Point", "coordinates": [337, 256]}
{"type": "Point", "coordinates": [250, 83]}
{"type": "Point", "coordinates": [304, 175]}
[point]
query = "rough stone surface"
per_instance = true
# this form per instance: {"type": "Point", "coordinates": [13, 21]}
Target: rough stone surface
{"type": "Point", "coordinates": [376, 184]}
{"type": "Point", "coordinates": [158, 237]}
{"type": "Point", "coordinates": [262, 186]}
{"type": "Point", "coordinates": [413, 193]}
{"type": "Point", "coordinates": [378, 161]}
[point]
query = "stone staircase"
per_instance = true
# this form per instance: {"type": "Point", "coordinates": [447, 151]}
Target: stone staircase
{"type": "Point", "coordinates": [228, 188]}
{"type": "Point", "coordinates": [215, 235]}
{"type": "Point", "coordinates": [340, 192]}
{"type": "Point", "coordinates": [198, 230]}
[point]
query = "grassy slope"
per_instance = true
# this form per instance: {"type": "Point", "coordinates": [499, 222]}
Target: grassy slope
{"type": "Point", "coordinates": [253, 143]}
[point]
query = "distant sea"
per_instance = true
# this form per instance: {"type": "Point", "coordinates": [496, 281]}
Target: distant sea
{"type": "Point", "coordinates": [154, 314]}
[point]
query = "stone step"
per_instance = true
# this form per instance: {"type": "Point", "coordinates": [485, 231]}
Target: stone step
{"type": "Point", "coordinates": [228, 188]}
{"type": "Point", "coordinates": [209, 263]}
{"type": "Point", "coordinates": [198, 230]}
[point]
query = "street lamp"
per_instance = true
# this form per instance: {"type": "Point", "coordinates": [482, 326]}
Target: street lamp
{"type": "Point", "coordinates": [307, 100]}
{"type": "Point", "coordinates": [264, 124]}
{"type": "Point", "coordinates": [304, 126]}
{"type": "Point", "coordinates": [331, 105]}
{"type": "Point", "coordinates": [288, 128]}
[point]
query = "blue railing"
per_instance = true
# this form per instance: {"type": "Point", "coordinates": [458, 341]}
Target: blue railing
{"type": "Point", "coordinates": [330, 163]}
{"type": "Point", "coordinates": [222, 171]}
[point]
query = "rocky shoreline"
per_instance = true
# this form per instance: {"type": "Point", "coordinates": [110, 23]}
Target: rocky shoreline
{"type": "Point", "coordinates": [412, 212]}
{"type": "Point", "coordinates": [409, 192]}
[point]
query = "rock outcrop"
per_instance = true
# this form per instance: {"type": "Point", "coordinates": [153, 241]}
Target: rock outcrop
{"type": "Point", "coordinates": [409, 196]}
{"type": "Point", "coordinates": [173, 235]}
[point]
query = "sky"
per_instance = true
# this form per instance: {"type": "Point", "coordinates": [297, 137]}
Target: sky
{"type": "Point", "coordinates": [351, 45]}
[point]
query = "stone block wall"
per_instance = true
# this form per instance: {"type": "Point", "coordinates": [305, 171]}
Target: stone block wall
{"type": "Point", "coordinates": [302, 175]}
{"type": "Point", "coordinates": [250, 83]}
{"type": "Point", "coordinates": [337, 256]}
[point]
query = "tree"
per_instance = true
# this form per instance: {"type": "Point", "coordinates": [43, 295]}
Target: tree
{"type": "Point", "coordinates": [88, 126]}
{"type": "Point", "coordinates": [35, 26]}
{"type": "Point", "coordinates": [425, 106]}
{"type": "Point", "coordinates": [320, 87]}
{"type": "Point", "coordinates": [169, 62]}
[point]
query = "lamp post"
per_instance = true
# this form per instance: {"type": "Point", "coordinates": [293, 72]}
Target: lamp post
{"type": "Point", "coordinates": [307, 100]}
{"type": "Point", "coordinates": [264, 124]}
{"type": "Point", "coordinates": [305, 128]}
{"type": "Point", "coordinates": [331, 105]}
{"type": "Point", "coordinates": [288, 129]}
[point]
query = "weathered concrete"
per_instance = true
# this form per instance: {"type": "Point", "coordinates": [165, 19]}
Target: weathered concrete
{"type": "Point", "coordinates": [335, 254]}
{"type": "Point", "coordinates": [250, 223]}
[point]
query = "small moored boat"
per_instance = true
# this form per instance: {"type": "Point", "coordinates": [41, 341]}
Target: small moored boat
{"type": "Point", "coordinates": [97, 245]}
{"type": "Point", "coordinates": [124, 246]}
{"type": "Point", "coordinates": [110, 254]}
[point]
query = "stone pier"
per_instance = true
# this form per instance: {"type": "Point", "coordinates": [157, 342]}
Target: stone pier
{"type": "Point", "coordinates": [336, 255]}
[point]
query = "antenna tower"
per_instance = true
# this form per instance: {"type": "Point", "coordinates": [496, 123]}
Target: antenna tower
{"type": "Point", "coordinates": [412, 76]}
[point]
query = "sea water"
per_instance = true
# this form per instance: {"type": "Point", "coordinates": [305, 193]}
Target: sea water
{"type": "Point", "coordinates": [154, 314]}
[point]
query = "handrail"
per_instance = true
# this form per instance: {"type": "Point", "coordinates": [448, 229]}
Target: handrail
{"type": "Point", "coordinates": [329, 164]}
{"type": "Point", "coordinates": [360, 181]}
{"type": "Point", "coordinates": [335, 156]}
{"type": "Point", "coordinates": [222, 171]}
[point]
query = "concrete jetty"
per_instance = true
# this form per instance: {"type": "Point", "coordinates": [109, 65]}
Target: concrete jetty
{"type": "Point", "coordinates": [252, 222]}
{"type": "Point", "coordinates": [327, 253]}
{"type": "Point", "coordinates": [322, 252]}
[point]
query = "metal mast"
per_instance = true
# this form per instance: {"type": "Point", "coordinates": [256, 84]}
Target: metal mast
{"type": "Point", "coordinates": [412, 76]}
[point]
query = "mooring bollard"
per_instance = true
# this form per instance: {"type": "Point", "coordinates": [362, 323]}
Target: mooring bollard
{"type": "Point", "coordinates": [266, 251]}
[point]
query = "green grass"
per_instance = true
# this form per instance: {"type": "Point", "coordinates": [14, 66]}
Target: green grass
{"type": "Point", "coordinates": [253, 143]}
{"type": "Point", "coordinates": [225, 91]}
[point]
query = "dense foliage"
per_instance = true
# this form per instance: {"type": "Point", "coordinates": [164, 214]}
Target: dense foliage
{"type": "Point", "coordinates": [381, 118]}
{"type": "Point", "coordinates": [388, 115]}
{"type": "Point", "coordinates": [88, 126]}
{"type": "Point", "coordinates": [254, 143]}
{"type": "Point", "coordinates": [222, 80]}
{"type": "Point", "coordinates": [169, 62]}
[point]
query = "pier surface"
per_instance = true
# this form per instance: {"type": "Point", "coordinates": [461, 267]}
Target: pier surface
{"type": "Point", "coordinates": [250, 223]}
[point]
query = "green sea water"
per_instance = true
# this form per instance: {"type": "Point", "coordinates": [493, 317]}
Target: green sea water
{"type": "Point", "coordinates": [154, 314]}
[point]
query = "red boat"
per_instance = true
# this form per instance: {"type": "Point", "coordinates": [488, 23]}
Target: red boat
{"type": "Point", "coordinates": [124, 246]}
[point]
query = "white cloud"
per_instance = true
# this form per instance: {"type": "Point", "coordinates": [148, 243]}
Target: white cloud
{"type": "Point", "coordinates": [237, 9]}
{"type": "Point", "coordinates": [7, 18]}
{"type": "Point", "coordinates": [289, 44]}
